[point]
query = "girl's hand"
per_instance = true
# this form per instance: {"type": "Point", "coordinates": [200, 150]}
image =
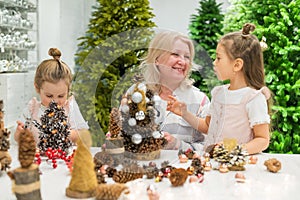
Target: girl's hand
{"type": "Point", "coordinates": [19, 130]}
{"type": "Point", "coordinates": [175, 106]}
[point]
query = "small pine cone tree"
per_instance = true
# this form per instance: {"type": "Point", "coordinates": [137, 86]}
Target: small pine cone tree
{"type": "Point", "coordinates": [115, 123]}
{"type": "Point", "coordinates": [27, 148]}
{"type": "Point", "coordinates": [178, 176]}
{"type": "Point", "coordinates": [110, 191]}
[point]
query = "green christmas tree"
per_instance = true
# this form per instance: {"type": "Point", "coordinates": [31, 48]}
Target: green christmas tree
{"type": "Point", "coordinates": [204, 29]}
{"type": "Point", "coordinates": [278, 21]}
{"type": "Point", "coordinates": [117, 36]}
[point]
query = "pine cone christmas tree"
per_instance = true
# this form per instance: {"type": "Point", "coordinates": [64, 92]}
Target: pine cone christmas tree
{"type": "Point", "coordinates": [53, 129]}
{"type": "Point", "coordinates": [27, 148]}
{"type": "Point", "coordinates": [115, 123]}
{"type": "Point", "coordinates": [139, 129]}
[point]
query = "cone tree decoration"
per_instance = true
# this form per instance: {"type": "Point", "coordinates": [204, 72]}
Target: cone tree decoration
{"type": "Point", "coordinates": [27, 148]}
{"type": "Point", "coordinates": [53, 129]}
{"type": "Point", "coordinates": [142, 138]}
{"type": "Point", "coordinates": [5, 158]}
{"type": "Point", "coordinates": [26, 179]}
{"type": "Point", "coordinates": [114, 144]}
{"type": "Point", "coordinates": [115, 124]}
{"type": "Point", "coordinates": [84, 180]}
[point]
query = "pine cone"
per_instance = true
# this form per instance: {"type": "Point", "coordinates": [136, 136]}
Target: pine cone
{"type": "Point", "coordinates": [27, 148]}
{"type": "Point", "coordinates": [110, 191]}
{"type": "Point", "coordinates": [126, 176]}
{"type": "Point", "coordinates": [115, 124]}
{"type": "Point", "coordinates": [178, 176]}
{"type": "Point", "coordinates": [100, 177]}
{"type": "Point", "coordinates": [196, 163]}
{"type": "Point", "coordinates": [101, 158]}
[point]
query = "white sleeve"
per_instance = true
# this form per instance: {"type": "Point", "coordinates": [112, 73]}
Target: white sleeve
{"type": "Point", "coordinates": [257, 110]}
{"type": "Point", "coordinates": [76, 119]}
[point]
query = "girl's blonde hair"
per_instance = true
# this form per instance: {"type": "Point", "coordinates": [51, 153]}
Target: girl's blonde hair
{"type": "Point", "coordinates": [52, 70]}
{"type": "Point", "coordinates": [162, 45]}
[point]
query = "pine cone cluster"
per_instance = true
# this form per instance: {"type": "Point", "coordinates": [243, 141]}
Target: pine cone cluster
{"type": "Point", "coordinates": [235, 160]}
{"type": "Point", "coordinates": [115, 123]}
{"type": "Point", "coordinates": [110, 191]}
{"type": "Point", "coordinates": [27, 148]}
{"type": "Point", "coordinates": [178, 176]}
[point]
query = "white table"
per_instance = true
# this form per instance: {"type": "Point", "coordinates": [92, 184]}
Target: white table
{"type": "Point", "coordinates": [260, 184]}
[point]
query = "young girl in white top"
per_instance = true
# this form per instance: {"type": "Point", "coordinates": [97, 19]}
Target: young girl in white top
{"type": "Point", "coordinates": [238, 110]}
{"type": "Point", "coordinates": [52, 82]}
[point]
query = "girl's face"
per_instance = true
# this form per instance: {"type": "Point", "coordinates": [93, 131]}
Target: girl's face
{"type": "Point", "coordinates": [54, 91]}
{"type": "Point", "coordinates": [223, 64]}
{"type": "Point", "coordinates": [174, 66]}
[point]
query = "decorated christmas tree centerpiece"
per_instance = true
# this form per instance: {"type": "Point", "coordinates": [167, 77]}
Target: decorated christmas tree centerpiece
{"type": "Point", "coordinates": [53, 130]}
{"type": "Point", "coordinates": [142, 138]}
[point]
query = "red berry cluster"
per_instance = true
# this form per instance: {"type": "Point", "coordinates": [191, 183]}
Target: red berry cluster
{"type": "Point", "coordinates": [53, 155]}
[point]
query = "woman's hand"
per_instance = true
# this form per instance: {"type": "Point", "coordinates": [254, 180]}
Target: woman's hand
{"type": "Point", "coordinates": [177, 107]}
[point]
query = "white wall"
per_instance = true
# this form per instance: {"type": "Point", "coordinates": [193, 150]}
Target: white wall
{"type": "Point", "coordinates": [62, 22]}
{"type": "Point", "coordinates": [176, 14]}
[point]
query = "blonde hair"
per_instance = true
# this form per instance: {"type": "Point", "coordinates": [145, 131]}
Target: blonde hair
{"type": "Point", "coordinates": [52, 70]}
{"type": "Point", "coordinates": [161, 45]}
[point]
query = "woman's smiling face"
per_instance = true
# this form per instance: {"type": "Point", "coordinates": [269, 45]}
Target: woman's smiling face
{"type": "Point", "coordinates": [174, 66]}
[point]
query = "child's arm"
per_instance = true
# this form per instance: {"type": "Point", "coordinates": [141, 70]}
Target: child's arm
{"type": "Point", "coordinates": [180, 108]}
{"type": "Point", "coordinates": [261, 139]}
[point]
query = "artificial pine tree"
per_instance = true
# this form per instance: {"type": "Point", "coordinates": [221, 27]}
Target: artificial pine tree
{"type": "Point", "coordinates": [53, 129]}
{"type": "Point", "coordinates": [278, 21]}
{"type": "Point", "coordinates": [117, 36]}
{"type": "Point", "coordinates": [205, 28]}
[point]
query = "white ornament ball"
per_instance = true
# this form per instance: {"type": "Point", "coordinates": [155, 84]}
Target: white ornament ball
{"type": "Point", "coordinates": [132, 122]}
{"type": "Point", "coordinates": [156, 98]}
{"type": "Point", "coordinates": [137, 97]}
{"type": "Point", "coordinates": [136, 138]}
{"type": "Point", "coordinates": [157, 134]}
{"type": "Point", "coordinates": [125, 108]}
